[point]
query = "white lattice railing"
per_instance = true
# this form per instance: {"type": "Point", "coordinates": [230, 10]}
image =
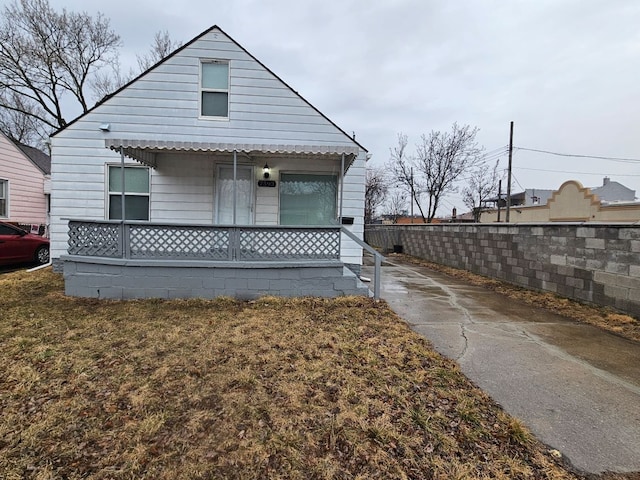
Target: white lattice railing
{"type": "Point", "coordinates": [143, 240]}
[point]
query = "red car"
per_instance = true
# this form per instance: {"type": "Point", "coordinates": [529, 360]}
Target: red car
{"type": "Point", "coordinates": [18, 246]}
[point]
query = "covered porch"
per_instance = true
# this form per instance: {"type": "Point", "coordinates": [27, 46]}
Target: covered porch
{"type": "Point", "coordinates": [239, 247]}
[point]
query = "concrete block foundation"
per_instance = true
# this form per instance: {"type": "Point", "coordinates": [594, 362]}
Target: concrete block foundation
{"type": "Point", "coordinates": [134, 279]}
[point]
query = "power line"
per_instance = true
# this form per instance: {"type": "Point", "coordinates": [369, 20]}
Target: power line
{"type": "Point", "coordinates": [598, 157]}
{"type": "Point", "coordinates": [495, 150]}
{"type": "Point", "coordinates": [568, 171]}
{"type": "Point", "coordinates": [519, 184]}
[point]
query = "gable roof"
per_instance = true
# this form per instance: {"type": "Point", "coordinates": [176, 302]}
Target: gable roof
{"type": "Point", "coordinates": [40, 159]}
{"type": "Point", "coordinates": [613, 191]}
{"type": "Point", "coordinates": [188, 44]}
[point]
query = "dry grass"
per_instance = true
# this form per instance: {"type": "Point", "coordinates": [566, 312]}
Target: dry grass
{"type": "Point", "coordinates": [277, 388]}
{"type": "Point", "coordinates": [602, 317]}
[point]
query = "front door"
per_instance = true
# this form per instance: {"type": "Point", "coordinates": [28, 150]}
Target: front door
{"type": "Point", "coordinates": [244, 195]}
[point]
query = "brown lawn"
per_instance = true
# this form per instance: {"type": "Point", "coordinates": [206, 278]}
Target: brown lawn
{"type": "Point", "coordinates": [277, 388]}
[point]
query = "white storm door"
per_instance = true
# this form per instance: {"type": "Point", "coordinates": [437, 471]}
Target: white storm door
{"type": "Point", "coordinates": [244, 195]}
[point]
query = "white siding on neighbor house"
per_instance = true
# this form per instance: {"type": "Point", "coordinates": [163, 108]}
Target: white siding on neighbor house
{"type": "Point", "coordinates": [26, 199]}
{"type": "Point", "coordinates": [164, 105]}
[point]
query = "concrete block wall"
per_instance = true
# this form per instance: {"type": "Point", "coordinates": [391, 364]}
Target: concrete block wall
{"type": "Point", "coordinates": [599, 264]}
{"type": "Point", "coordinates": [127, 279]}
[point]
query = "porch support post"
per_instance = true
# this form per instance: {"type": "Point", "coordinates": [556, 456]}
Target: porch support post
{"type": "Point", "coordinates": [341, 185]}
{"type": "Point", "coordinates": [235, 178]}
{"type": "Point", "coordinates": [122, 206]}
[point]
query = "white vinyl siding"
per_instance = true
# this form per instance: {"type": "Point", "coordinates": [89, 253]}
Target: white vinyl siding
{"type": "Point", "coordinates": [136, 192]}
{"type": "Point", "coordinates": [165, 104]}
{"type": "Point", "coordinates": [4, 198]}
{"type": "Point", "coordinates": [182, 187]}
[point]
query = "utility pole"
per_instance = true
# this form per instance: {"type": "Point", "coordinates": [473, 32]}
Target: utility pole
{"type": "Point", "coordinates": [509, 172]}
{"type": "Point", "coordinates": [499, 197]}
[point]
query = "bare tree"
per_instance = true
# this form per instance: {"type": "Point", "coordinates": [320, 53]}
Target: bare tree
{"type": "Point", "coordinates": [401, 166]}
{"type": "Point", "coordinates": [440, 159]}
{"type": "Point", "coordinates": [47, 56]}
{"type": "Point", "coordinates": [482, 185]}
{"type": "Point", "coordinates": [107, 81]}
{"type": "Point", "coordinates": [396, 205]}
{"type": "Point", "coordinates": [375, 193]}
{"type": "Point", "coordinates": [161, 47]}
{"type": "Point", "coordinates": [22, 128]}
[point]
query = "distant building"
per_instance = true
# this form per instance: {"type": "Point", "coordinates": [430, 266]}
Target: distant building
{"type": "Point", "coordinates": [530, 197]}
{"type": "Point", "coordinates": [613, 192]}
{"type": "Point", "coordinates": [574, 203]}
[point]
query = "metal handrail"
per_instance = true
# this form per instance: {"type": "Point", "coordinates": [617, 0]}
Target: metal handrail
{"type": "Point", "coordinates": [378, 259]}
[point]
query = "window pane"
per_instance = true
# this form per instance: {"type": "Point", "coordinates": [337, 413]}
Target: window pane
{"type": "Point", "coordinates": [215, 75]}
{"type": "Point", "coordinates": [215, 104]}
{"type": "Point", "coordinates": [136, 179]}
{"type": "Point", "coordinates": [3, 198]}
{"type": "Point", "coordinates": [115, 179]}
{"type": "Point", "coordinates": [136, 208]}
{"type": "Point", "coordinates": [7, 230]}
{"type": "Point", "coordinates": [307, 199]}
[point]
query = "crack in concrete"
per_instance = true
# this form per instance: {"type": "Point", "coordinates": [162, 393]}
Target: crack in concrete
{"type": "Point", "coordinates": [465, 347]}
{"type": "Point", "coordinates": [452, 300]}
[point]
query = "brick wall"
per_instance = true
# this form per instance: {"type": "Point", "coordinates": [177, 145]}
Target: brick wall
{"type": "Point", "coordinates": [593, 263]}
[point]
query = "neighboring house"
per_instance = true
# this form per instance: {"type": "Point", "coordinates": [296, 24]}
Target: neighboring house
{"type": "Point", "coordinates": [528, 198]}
{"type": "Point", "coordinates": [24, 183]}
{"type": "Point", "coordinates": [570, 203]}
{"type": "Point", "coordinates": [234, 184]}
{"type": "Point", "coordinates": [613, 192]}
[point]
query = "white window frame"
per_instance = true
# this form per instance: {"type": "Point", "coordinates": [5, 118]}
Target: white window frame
{"type": "Point", "coordinates": [202, 89]}
{"type": "Point", "coordinates": [6, 198]}
{"type": "Point", "coordinates": [109, 193]}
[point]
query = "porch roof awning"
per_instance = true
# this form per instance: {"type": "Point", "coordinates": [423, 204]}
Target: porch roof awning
{"type": "Point", "coordinates": [145, 151]}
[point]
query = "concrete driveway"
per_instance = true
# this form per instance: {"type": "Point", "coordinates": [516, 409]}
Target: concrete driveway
{"type": "Point", "coordinates": [576, 387]}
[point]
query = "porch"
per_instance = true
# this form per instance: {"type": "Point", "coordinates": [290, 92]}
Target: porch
{"type": "Point", "coordinates": [114, 259]}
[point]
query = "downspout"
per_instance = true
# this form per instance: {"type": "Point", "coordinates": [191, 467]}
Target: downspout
{"type": "Point", "coordinates": [122, 200]}
{"type": "Point", "coordinates": [122, 196]}
{"type": "Point", "coordinates": [341, 186]}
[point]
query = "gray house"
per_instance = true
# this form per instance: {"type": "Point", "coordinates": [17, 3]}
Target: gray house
{"type": "Point", "coordinates": [207, 175]}
{"type": "Point", "coordinates": [613, 192]}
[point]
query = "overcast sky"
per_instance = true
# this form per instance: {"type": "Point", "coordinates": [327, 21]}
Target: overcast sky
{"type": "Point", "coordinates": [567, 72]}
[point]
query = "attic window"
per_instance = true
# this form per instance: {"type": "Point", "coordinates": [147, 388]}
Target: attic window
{"type": "Point", "coordinates": [214, 87]}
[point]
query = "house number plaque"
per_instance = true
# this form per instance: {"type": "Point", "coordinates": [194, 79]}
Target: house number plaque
{"type": "Point", "coordinates": [266, 183]}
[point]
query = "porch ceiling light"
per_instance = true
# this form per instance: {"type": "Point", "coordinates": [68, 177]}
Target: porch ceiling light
{"type": "Point", "coordinates": [265, 170]}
